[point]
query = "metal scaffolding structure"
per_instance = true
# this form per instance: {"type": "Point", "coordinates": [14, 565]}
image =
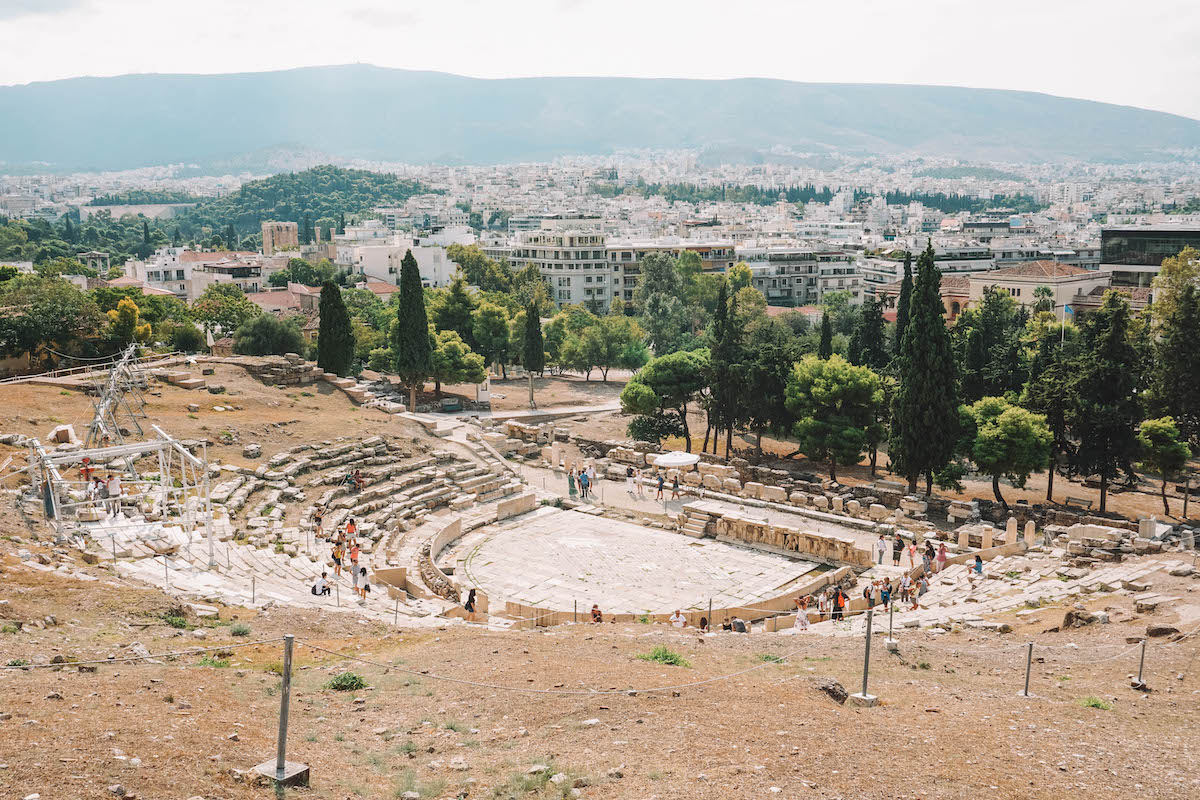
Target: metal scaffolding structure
{"type": "Point", "coordinates": [180, 495]}
{"type": "Point", "coordinates": [118, 399]}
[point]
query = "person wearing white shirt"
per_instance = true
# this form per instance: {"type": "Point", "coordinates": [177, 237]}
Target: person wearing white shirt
{"type": "Point", "coordinates": [321, 587]}
{"type": "Point", "coordinates": [880, 548]}
{"type": "Point", "coordinates": [678, 620]}
{"type": "Point", "coordinates": [114, 493]}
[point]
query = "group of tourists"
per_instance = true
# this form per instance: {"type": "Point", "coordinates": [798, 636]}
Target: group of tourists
{"type": "Point", "coordinates": [585, 477]}
{"type": "Point", "coordinates": [354, 480]}
{"type": "Point", "coordinates": [633, 482]}
{"type": "Point", "coordinates": [345, 554]}
{"type": "Point", "coordinates": [103, 490]}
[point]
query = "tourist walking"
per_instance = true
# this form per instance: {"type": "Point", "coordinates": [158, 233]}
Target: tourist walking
{"type": "Point", "coordinates": [337, 558]}
{"type": "Point", "coordinates": [366, 584]}
{"type": "Point", "coordinates": [470, 604]}
{"type": "Point", "coordinates": [629, 480]}
{"type": "Point", "coordinates": [675, 487]}
{"type": "Point", "coordinates": [912, 553]}
{"type": "Point", "coordinates": [571, 483]}
{"type": "Point", "coordinates": [802, 612]}
{"type": "Point", "coordinates": [897, 550]}
{"type": "Point", "coordinates": [584, 484]}
{"type": "Point", "coordinates": [941, 557]}
{"type": "Point", "coordinates": [591, 473]}
{"type": "Point", "coordinates": [319, 519]}
{"type": "Point", "coordinates": [658, 496]}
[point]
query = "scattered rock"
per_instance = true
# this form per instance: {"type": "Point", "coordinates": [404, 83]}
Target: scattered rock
{"type": "Point", "coordinates": [588, 723]}
{"type": "Point", "coordinates": [117, 789]}
{"type": "Point", "coordinates": [833, 688]}
{"type": "Point", "coordinates": [1159, 629]}
{"type": "Point", "coordinates": [537, 769]}
{"type": "Point", "coordinates": [615, 773]}
{"type": "Point", "coordinates": [1078, 618]}
{"type": "Point", "coordinates": [558, 778]}
{"type": "Point", "coordinates": [199, 633]}
{"type": "Point", "coordinates": [54, 696]}
{"type": "Point", "coordinates": [233, 737]}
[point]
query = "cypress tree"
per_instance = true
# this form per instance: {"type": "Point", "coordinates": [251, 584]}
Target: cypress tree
{"type": "Point", "coordinates": [925, 423]}
{"type": "Point", "coordinates": [230, 236]}
{"type": "Point", "coordinates": [825, 348]}
{"type": "Point", "coordinates": [1105, 410]}
{"type": "Point", "coordinates": [1176, 379]}
{"type": "Point", "coordinates": [534, 356]}
{"type": "Point", "coordinates": [335, 338]}
{"type": "Point", "coordinates": [411, 333]}
{"type": "Point", "coordinates": [341, 223]}
{"type": "Point", "coordinates": [145, 232]}
{"type": "Point", "coordinates": [872, 348]}
{"type": "Point", "coordinates": [902, 305]}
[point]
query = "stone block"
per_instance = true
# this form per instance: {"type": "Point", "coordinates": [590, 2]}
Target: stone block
{"type": "Point", "coordinates": [798, 499]}
{"type": "Point", "coordinates": [1030, 533]}
{"type": "Point", "coordinates": [711, 481]}
{"type": "Point", "coordinates": [774, 494]}
{"type": "Point", "coordinates": [821, 502]}
{"type": "Point", "coordinates": [853, 507]}
{"type": "Point", "coordinates": [878, 512]}
{"type": "Point", "coordinates": [753, 489]}
{"type": "Point", "coordinates": [838, 505]}
{"type": "Point", "coordinates": [693, 478]}
{"type": "Point", "coordinates": [732, 485]}
{"type": "Point", "coordinates": [1010, 530]}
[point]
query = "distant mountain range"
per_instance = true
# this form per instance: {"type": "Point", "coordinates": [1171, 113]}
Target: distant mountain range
{"type": "Point", "coordinates": [360, 111]}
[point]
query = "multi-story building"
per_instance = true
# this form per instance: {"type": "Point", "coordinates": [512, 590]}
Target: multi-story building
{"type": "Point", "coordinates": [573, 263]}
{"type": "Point", "coordinates": [1007, 254]}
{"type": "Point", "coordinates": [715, 256]}
{"type": "Point", "coordinates": [280, 236]}
{"type": "Point", "coordinates": [1134, 253]}
{"type": "Point", "coordinates": [888, 266]}
{"type": "Point", "coordinates": [187, 273]}
{"type": "Point", "coordinates": [793, 274]}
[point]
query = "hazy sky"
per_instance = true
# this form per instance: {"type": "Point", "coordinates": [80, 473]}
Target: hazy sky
{"type": "Point", "coordinates": [1143, 54]}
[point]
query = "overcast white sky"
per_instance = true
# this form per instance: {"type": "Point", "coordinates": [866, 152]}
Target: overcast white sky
{"type": "Point", "coordinates": [1143, 54]}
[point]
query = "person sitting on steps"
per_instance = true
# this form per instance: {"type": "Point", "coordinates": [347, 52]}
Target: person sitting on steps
{"type": "Point", "coordinates": [321, 587]}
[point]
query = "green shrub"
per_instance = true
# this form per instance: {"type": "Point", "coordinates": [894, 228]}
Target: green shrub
{"type": "Point", "coordinates": [239, 629]}
{"type": "Point", "coordinates": [9, 628]}
{"type": "Point", "coordinates": [216, 663]}
{"type": "Point", "coordinates": [1095, 702]}
{"type": "Point", "coordinates": [665, 655]}
{"type": "Point", "coordinates": [346, 682]}
{"type": "Point", "coordinates": [176, 622]}
{"type": "Point", "coordinates": [771, 657]}
{"type": "Point", "coordinates": [18, 662]}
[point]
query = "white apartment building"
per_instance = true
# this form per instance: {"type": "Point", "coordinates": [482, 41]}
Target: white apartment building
{"type": "Point", "coordinates": [187, 273]}
{"type": "Point", "coordinates": [574, 264]}
{"type": "Point", "coordinates": [715, 256]}
{"type": "Point", "coordinates": [888, 266]}
{"type": "Point", "coordinates": [1008, 253]}
{"type": "Point", "coordinates": [381, 260]}
{"type": "Point", "coordinates": [795, 274]}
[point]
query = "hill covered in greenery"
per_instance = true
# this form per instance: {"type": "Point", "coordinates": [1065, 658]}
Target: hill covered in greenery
{"type": "Point", "coordinates": [324, 192]}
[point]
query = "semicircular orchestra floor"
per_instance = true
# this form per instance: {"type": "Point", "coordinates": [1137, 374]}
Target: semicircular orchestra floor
{"type": "Point", "coordinates": [555, 559]}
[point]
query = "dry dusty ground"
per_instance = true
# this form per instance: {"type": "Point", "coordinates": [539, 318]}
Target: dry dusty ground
{"type": "Point", "coordinates": [950, 724]}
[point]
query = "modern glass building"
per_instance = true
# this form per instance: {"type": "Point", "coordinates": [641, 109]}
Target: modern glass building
{"type": "Point", "coordinates": [1134, 253]}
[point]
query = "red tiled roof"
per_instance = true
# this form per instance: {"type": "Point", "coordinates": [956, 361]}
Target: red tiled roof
{"type": "Point", "coordinates": [1038, 269]}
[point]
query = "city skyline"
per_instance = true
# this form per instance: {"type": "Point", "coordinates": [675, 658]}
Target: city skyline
{"type": "Point", "coordinates": [934, 42]}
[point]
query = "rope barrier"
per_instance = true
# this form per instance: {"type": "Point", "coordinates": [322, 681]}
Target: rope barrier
{"type": "Point", "coordinates": [190, 651]}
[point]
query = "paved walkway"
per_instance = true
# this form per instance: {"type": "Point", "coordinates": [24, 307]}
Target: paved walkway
{"type": "Point", "coordinates": [555, 411]}
{"type": "Point", "coordinates": [613, 494]}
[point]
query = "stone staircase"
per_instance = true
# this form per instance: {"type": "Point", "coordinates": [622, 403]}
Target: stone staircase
{"type": "Point", "coordinates": [695, 523]}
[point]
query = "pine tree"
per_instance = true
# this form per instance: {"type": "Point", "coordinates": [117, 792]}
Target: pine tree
{"type": "Point", "coordinates": [335, 338]}
{"type": "Point", "coordinates": [411, 332]}
{"type": "Point", "coordinates": [825, 348]}
{"type": "Point", "coordinates": [1105, 410]}
{"type": "Point", "coordinates": [230, 237]}
{"type": "Point", "coordinates": [925, 423]}
{"type": "Point", "coordinates": [902, 305]}
{"type": "Point", "coordinates": [534, 355]}
{"type": "Point", "coordinates": [454, 311]}
{"type": "Point", "coordinates": [1176, 378]}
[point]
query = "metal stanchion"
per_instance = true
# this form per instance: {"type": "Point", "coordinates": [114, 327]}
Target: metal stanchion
{"type": "Point", "coordinates": [862, 698]}
{"type": "Point", "coordinates": [396, 612]}
{"type": "Point", "coordinates": [114, 547]}
{"type": "Point", "coordinates": [1028, 668]}
{"type": "Point", "coordinates": [1139, 683]}
{"type": "Point", "coordinates": [337, 591]}
{"type": "Point", "coordinates": [282, 772]}
{"type": "Point", "coordinates": [253, 588]}
{"type": "Point", "coordinates": [166, 573]}
{"type": "Point", "coordinates": [575, 612]}
{"type": "Point", "coordinates": [891, 644]}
